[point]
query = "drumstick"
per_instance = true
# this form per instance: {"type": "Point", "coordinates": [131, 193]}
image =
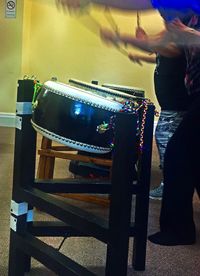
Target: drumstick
{"type": "Point", "coordinates": [94, 26]}
{"type": "Point", "coordinates": [111, 20]}
{"type": "Point", "coordinates": [89, 22]}
{"type": "Point", "coordinates": [113, 24]}
{"type": "Point", "coordinates": [116, 44]}
{"type": "Point", "coordinates": [138, 20]}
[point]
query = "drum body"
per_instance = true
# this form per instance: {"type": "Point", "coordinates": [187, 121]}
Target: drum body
{"type": "Point", "coordinates": [72, 116]}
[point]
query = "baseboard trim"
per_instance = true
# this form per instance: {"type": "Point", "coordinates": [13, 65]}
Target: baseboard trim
{"type": "Point", "coordinates": [7, 119]}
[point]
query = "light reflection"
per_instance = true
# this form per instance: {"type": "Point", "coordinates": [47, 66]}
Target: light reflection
{"type": "Point", "coordinates": [82, 111]}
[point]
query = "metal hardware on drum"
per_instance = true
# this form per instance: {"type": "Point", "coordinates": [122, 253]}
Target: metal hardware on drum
{"type": "Point", "coordinates": [54, 78]}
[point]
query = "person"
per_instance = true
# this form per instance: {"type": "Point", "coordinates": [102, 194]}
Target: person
{"type": "Point", "coordinates": [169, 84]}
{"type": "Point", "coordinates": [181, 164]}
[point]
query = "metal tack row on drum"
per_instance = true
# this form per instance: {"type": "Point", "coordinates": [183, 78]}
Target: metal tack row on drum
{"type": "Point", "coordinates": [81, 118]}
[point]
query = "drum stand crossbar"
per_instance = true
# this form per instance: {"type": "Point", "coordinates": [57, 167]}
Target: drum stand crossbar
{"type": "Point", "coordinates": [29, 192]}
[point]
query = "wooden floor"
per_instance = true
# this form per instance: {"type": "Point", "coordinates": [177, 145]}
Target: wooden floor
{"type": "Point", "coordinates": [161, 261]}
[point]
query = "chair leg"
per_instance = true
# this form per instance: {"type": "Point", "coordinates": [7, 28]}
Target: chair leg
{"type": "Point", "coordinates": [46, 167]}
{"type": "Point", "coordinates": [46, 163]}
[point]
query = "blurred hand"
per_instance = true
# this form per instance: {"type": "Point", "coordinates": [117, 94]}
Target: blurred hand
{"type": "Point", "coordinates": [184, 34]}
{"type": "Point", "coordinates": [135, 58]}
{"type": "Point", "coordinates": [109, 37]}
{"type": "Point", "coordinates": [177, 26]}
{"type": "Point", "coordinates": [140, 33]}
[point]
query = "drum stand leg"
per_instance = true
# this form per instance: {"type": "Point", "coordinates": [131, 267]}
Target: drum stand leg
{"type": "Point", "coordinates": [16, 259]}
{"type": "Point", "coordinates": [23, 176]}
{"type": "Point", "coordinates": [142, 198]}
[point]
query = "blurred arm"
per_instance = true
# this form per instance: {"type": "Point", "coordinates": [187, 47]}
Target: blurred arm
{"type": "Point", "coordinates": [142, 58]}
{"type": "Point", "coordinates": [126, 4]}
{"type": "Point", "coordinates": [119, 4]}
{"type": "Point", "coordinates": [188, 36]}
{"type": "Point", "coordinates": [161, 43]}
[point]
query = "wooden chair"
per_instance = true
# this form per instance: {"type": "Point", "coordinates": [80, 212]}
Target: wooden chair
{"type": "Point", "coordinates": [47, 157]}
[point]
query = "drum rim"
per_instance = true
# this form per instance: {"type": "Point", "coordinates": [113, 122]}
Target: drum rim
{"type": "Point", "coordinates": [104, 89]}
{"type": "Point", "coordinates": [69, 142]}
{"type": "Point", "coordinates": [115, 108]}
{"type": "Point", "coordinates": [125, 87]}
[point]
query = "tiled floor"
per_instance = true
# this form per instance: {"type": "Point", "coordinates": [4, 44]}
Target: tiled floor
{"type": "Point", "coordinates": [161, 261]}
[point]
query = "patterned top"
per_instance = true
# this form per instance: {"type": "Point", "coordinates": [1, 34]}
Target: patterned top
{"type": "Point", "coordinates": [192, 78]}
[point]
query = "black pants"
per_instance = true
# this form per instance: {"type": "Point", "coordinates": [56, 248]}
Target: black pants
{"type": "Point", "coordinates": [182, 174]}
